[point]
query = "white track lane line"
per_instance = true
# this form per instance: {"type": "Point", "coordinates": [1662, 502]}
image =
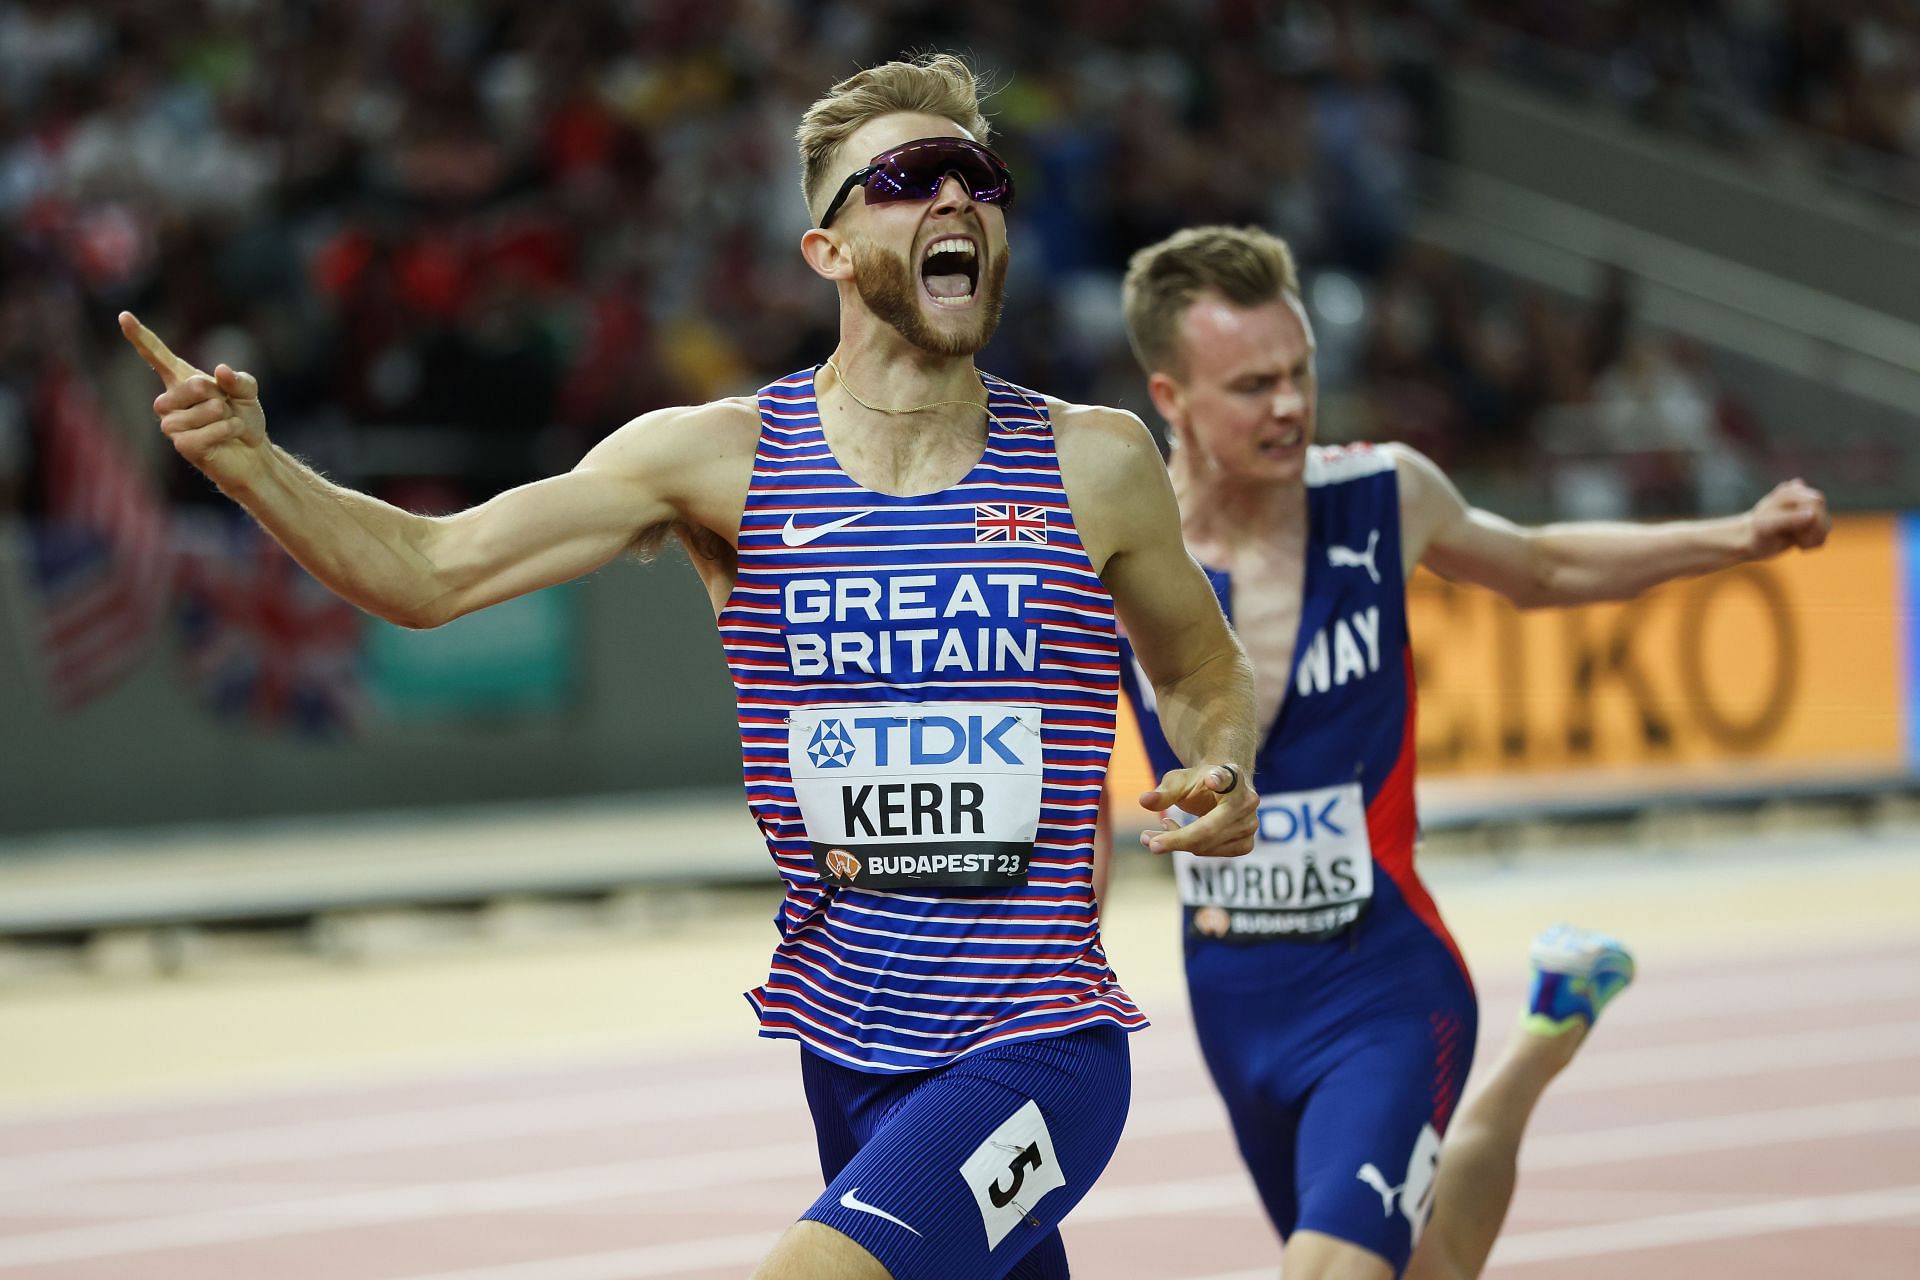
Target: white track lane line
{"type": "Point", "coordinates": [1732, 1058]}
{"type": "Point", "coordinates": [1657, 1000]}
{"type": "Point", "coordinates": [1706, 1134]}
{"type": "Point", "coordinates": [1765, 1217]}
{"type": "Point", "coordinates": [1600, 1071]}
{"type": "Point", "coordinates": [631, 1264]}
{"type": "Point", "coordinates": [411, 1129]}
{"type": "Point", "coordinates": [414, 1203]}
{"type": "Point", "coordinates": [1662, 998]}
{"type": "Point", "coordinates": [1184, 1196]}
{"type": "Point", "coordinates": [418, 1128]}
{"type": "Point", "coordinates": [796, 1161]}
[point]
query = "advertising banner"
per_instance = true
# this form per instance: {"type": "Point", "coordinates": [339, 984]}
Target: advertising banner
{"type": "Point", "coordinates": [1800, 663]}
{"type": "Point", "coordinates": [517, 658]}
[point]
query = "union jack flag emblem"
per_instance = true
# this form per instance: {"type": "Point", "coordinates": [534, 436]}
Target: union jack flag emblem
{"type": "Point", "coordinates": [1003, 522]}
{"type": "Point", "coordinates": [263, 642]}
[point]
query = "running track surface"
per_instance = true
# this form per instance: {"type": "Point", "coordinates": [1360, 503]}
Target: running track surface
{"type": "Point", "coordinates": [1751, 1117]}
{"type": "Point", "coordinates": [1750, 1109]}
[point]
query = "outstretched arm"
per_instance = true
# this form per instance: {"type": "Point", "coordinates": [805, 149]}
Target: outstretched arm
{"type": "Point", "coordinates": [1203, 685]}
{"type": "Point", "coordinates": [420, 571]}
{"type": "Point", "coordinates": [1565, 564]}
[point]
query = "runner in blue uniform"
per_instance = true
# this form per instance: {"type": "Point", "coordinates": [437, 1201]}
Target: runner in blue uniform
{"type": "Point", "coordinates": [916, 570]}
{"type": "Point", "coordinates": [1333, 1008]}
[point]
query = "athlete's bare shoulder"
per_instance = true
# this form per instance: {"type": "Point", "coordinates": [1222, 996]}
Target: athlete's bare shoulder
{"type": "Point", "coordinates": [1102, 444]}
{"type": "Point", "coordinates": [1402, 457]}
{"type": "Point", "coordinates": [1113, 475]}
{"type": "Point", "coordinates": [1423, 485]}
{"type": "Point", "coordinates": [1429, 502]}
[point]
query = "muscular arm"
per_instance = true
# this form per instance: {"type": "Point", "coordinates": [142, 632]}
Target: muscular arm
{"type": "Point", "coordinates": [421, 571]}
{"type": "Point", "coordinates": [1124, 507]}
{"type": "Point", "coordinates": [1567, 564]}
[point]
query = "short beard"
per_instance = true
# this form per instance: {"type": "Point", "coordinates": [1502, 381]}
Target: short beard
{"type": "Point", "coordinates": [887, 286]}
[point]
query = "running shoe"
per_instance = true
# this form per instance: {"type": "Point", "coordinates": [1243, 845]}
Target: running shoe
{"type": "Point", "coordinates": [1575, 973]}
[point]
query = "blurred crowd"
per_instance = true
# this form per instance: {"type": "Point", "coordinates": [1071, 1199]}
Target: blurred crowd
{"type": "Point", "coordinates": [460, 241]}
{"type": "Point", "coordinates": [1834, 82]}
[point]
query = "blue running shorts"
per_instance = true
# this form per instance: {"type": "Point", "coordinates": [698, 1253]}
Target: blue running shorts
{"type": "Point", "coordinates": [1339, 1102]}
{"type": "Point", "coordinates": [965, 1171]}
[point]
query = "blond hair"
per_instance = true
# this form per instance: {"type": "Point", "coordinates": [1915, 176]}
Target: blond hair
{"type": "Point", "coordinates": [936, 84]}
{"type": "Point", "coordinates": [1245, 265]}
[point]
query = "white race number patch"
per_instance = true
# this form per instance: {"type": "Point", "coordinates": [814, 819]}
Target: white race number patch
{"type": "Point", "coordinates": [1310, 874]}
{"type": "Point", "coordinates": [1416, 1197]}
{"type": "Point", "coordinates": [911, 795]}
{"type": "Point", "coordinates": [1011, 1170]}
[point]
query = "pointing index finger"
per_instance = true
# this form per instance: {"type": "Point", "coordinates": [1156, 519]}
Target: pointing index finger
{"type": "Point", "coordinates": [171, 368]}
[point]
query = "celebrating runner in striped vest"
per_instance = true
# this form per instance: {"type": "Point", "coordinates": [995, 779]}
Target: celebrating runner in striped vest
{"type": "Point", "coordinates": [917, 570]}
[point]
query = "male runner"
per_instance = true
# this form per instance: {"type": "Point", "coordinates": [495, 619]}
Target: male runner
{"type": "Point", "coordinates": [1334, 1010]}
{"type": "Point", "coordinates": [915, 569]}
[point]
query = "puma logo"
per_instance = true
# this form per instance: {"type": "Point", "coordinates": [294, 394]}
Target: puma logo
{"type": "Point", "coordinates": [1373, 1178]}
{"type": "Point", "coordinates": [1348, 558]}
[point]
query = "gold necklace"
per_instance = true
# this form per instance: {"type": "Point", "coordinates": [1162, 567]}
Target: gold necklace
{"type": "Point", "coordinates": [931, 404]}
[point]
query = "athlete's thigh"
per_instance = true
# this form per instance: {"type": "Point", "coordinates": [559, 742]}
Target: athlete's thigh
{"type": "Point", "coordinates": [812, 1251]}
{"type": "Point", "coordinates": [973, 1172]}
{"type": "Point", "coordinates": [847, 1106]}
{"type": "Point", "coordinates": [1266, 1132]}
{"type": "Point", "coordinates": [1248, 1044]}
{"type": "Point", "coordinates": [1370, 1137]}
{"type": "Point", "coordinates": [1312, 1255]}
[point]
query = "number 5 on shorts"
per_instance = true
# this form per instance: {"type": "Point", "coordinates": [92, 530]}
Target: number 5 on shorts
{"type": "Point", "coordinates": [1011, 1170]}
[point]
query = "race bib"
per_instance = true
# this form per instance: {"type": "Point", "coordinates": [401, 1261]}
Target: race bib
{"type": "Point", "coordinates": [1310, 874]}
{"type": "Point", "coordinates": [899, 796]}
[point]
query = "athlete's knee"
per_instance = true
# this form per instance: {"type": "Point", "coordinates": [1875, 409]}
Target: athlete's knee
{"type": "Point", "coordinates": [1313, 1255]}
{"type": "Point", "coordinates": [814, 1251]}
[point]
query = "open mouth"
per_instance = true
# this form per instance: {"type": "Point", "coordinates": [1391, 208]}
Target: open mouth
{"type": "Point", "coordinates": [950, 271]}
{"type": "Point", "coordinates": [1284, 443]}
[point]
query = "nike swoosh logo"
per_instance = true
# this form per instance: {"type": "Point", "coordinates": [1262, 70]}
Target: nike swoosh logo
{"type": "Point", "coordinates": [852, 1201]}
{"type": "Point", "coordinates": [796, 537]}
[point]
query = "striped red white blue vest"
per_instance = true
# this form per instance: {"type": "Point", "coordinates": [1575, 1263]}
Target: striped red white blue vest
{"type": "Point", "coordinates": [926, 688]}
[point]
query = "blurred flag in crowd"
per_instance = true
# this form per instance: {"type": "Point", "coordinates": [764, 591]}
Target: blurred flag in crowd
{"type": "Point", "coordinates": [102, 564]}
{"type": "Point", "coordinates": [260, 639]}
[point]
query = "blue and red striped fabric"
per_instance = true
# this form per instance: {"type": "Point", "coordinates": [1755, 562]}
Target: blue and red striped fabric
{"type": "Point", "coordinates": [901, 981]}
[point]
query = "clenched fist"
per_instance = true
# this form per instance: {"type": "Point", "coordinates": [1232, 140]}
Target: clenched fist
{"type": "Point", "coordinates": [214, 420]}
{"type": "Point", "coordinates": [1793, 515]}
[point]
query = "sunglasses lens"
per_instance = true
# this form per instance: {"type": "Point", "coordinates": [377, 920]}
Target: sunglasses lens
{"type": "Point", "coordinates": [915, 172]}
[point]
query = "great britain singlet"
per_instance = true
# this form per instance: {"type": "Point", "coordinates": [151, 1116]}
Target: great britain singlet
{"type": "Point", "coordinates": [1338, 827]}
{"type": "Point", "coordinates": [926, 689]}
